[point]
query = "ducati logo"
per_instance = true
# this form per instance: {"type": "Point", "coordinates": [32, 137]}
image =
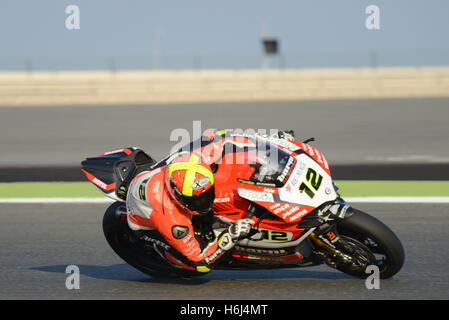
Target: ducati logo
{"type": "Point", "coordinates": [179, 232]}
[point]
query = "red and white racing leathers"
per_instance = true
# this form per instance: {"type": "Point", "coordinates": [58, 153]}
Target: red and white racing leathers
{"type": "Point", "coordinates": [150, 207]}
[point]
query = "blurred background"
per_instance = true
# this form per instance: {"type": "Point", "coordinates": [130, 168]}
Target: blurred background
{"type": "Point", "coordinates": [199, 34]}
{"type": "Point", "coordinates": [369, 79]}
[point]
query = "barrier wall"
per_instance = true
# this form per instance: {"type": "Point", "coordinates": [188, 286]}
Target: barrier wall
{"type": "Point", "coordinates": [188, 86]}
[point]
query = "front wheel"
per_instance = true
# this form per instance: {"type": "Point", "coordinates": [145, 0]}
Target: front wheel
{"type": "Point", "coordinates": [378, 238]}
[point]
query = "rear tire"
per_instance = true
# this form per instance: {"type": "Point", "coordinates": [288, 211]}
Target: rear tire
{"type": "Point", "coordinates": [378, 238]}
{"type": "Point", "coordinates": [119, 237]}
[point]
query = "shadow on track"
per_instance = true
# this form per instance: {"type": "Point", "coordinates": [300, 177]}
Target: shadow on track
{"type": "Point", "coordinates": [125, 272]}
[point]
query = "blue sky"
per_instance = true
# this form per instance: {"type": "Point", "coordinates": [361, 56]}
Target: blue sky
{"type": "Point", "coordinates": [324, 30]}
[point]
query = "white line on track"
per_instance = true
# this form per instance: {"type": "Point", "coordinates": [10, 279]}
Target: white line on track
{"type": "Point", "coordinates": [398, 199]}
{"type": "Point", "coordinates": [349, 199]}
{"type": "Point", "coordinates": [56, 200]}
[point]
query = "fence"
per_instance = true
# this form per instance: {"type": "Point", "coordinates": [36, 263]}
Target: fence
{"type": "Point", "coordinates": [158, 61]}
{"type": "Point", "coordinates": [171, 86]}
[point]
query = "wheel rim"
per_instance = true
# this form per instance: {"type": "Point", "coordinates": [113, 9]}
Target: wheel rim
{"type": "Point", "coordinates": [378, 251]}
{"type": "Point", "coordinates": [361, 256]}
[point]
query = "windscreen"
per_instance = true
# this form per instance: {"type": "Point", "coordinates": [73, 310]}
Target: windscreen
{"type": "Point", "coordinates": [273, 165]}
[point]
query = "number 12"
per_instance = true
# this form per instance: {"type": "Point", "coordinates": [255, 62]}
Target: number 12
{"type": "Point", "coordinates": [314, 179]}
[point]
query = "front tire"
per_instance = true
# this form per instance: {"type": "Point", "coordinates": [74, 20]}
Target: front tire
{"type": "Point", "coordinates": [375, 235]}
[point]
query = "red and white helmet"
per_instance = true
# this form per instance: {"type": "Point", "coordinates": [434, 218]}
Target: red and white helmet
{"type": "Point", "coordinates": [190, 182]}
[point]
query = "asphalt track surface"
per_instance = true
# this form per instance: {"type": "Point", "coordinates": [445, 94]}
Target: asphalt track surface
{"type": "Point", "coordinates": [376, 131]}
{"type": "Point", "coordinates": [38, 242]}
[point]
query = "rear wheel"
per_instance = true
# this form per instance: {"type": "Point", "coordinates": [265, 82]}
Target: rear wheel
{"type": "Point", "coordinates": [378, 238]}
{"type": "Point", "coordinates": [127, 247]}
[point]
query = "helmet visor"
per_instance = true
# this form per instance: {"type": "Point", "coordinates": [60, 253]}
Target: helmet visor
{"type": "Point", "coordinates": [201, 203]}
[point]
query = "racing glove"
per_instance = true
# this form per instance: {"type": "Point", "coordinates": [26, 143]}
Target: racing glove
{"type": "Point", "coordinates": [240, 229]}
{"type": "Point", "coordinates": [236, 231]}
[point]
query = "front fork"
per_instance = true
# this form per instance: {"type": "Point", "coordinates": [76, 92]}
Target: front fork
{"type": "Point", "coordinates": [325, 237]}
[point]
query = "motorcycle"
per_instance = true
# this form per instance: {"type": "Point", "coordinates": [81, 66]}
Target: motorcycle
{"type": "Point", "coordinates": [301, 220]}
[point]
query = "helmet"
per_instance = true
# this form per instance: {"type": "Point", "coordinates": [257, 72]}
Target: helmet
{"type": "Point", "coordinates": [190, 183]}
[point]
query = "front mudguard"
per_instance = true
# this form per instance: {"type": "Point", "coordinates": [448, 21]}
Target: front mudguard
{"type": "Point", "coordinates": [340, 209]}
{"type": "Point", "coordinates": [327, 214]}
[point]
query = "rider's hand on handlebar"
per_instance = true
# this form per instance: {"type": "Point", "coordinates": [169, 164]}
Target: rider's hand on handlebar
{"type": "Point", "coordinates": [241, 228]}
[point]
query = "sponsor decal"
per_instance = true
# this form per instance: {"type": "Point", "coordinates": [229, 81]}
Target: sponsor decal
{"type": "Point", "coordinates": [263, 258]}
{"type": "Point", "coordinates": [287, 170]}
{"type": "Point", "coordinates": [222, 200]}
{"type": "Point", "coordinates": [200, 183]}
{"type": "Point", "coordinates": [315, 154]}
{"type": "Point", "coordinates": [296, 175]}
{"type": "Point", "coordinates": [274, 206]}
{"type": "Point", "coordinates": [331, 236]}
{"type": "Point", "coordinates": [127, 151]}
{"type": "Point", "coordinates": [156, 186]}
{"type": "Point", "coordinates": [300, 214]}
{"type": "Point", "coordinates": [326, 241]}
{"type": "Point", "coordinates": [214, 255]}
{"type": "Point", "coordinates": [255, 195]}
{"type": "Point", "coordinates": [266, 184]}
{"type": "Point", "coordinates": [282, 208]}
{"type": "Point", "coordinates": [99, 183]}
{"type": "Point", "coordinates": [157, 242]}
{"type": "Point", "coordinates": [261, 251]}
{"type": "Point", "coordinates": [262, 184]}
{"type": "Point", "coordinates": [179, 232]}
{"type": "Point", "coordinates": [319, 158]}
{"type": "Point", "coordinates": [188, 240]}
{"type": "Point", "coordinates": [190, 248]}
{"type": "Point", "coordinates": [290, 212]}
{"type": "Point", "coordinates": [245, 181]}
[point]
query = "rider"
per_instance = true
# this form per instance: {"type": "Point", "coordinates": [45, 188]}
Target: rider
{"type": "Point", "coordinates": [170, 200]}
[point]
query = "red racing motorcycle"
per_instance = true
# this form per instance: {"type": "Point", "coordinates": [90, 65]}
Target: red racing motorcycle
{"type": "Point", "coordinates": [301, 220]}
